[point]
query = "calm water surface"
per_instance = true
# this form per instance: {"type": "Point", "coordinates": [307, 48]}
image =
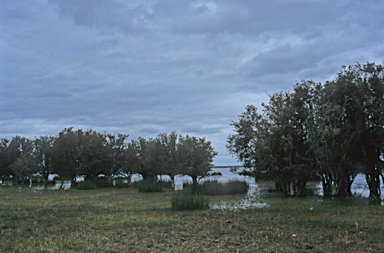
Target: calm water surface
{"type": "Point", "coordinates": [255, 197]}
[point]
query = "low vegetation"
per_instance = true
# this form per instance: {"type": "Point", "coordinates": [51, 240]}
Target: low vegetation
{"type": "Point", "coordinates": [149, 186]}
{"type": "Point", "coordinates": [185, 200]}
{"type": "Point", "coordinates": [215, 187]}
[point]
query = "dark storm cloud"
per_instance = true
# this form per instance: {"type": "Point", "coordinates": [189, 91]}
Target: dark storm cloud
{"type": "Point", "coordinates": [147, 67]}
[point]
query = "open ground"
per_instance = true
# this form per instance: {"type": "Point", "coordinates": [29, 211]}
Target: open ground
{"type": "Point", "coordinates": [124, 220]}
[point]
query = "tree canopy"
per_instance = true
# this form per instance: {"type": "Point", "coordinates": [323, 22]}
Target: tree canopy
{"type": "Point", "coordinates": [331, 131]}
{"type": "Point", "coordinates": [91, 154]}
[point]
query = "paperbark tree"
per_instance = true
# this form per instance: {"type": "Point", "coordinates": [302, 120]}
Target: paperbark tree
{"type": "Point", "coordinates": [198, 155]}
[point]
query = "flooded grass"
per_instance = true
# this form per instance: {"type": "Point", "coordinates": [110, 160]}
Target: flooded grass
{"type": "Point", "coordinates": [125, 220]}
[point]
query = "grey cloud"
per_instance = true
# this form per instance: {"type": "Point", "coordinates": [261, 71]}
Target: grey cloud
{"type": "Point", "coordinates": [201, 130]}
{"type": "Point", "coordinates": [104, 14]}
{"type": "Point", "coordinates": [145, 67]}
{"type": "Point", "coordinates": [150, 130]}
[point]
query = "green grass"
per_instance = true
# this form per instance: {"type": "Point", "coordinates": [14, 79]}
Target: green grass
{"type": "Point", "coordinates": [187, 201]}
{"type": "Point", "coordinates": [85, 185]}
{"type": "Point", "coordinates": [125, 220]}
{"type": "Point", "coordinates": [149, 186]}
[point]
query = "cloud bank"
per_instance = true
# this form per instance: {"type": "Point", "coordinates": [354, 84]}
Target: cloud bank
{"type": "Point", "coordinates": [148, 67]}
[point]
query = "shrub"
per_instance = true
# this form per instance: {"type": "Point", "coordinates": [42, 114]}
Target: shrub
{"type": "Point", "coordinates": [187, 201]}
{"type": "Point", "coordinates": [149, 186]}
{"type": "Point", "coordinates": [85, 185]}
{"type": "Point", "coordinates": [166, 184]}
{"type": "Point", "coordinates": [230, 187]}
{"type": "Point", "coordinates": [191, 188]}
{"type": "Point", "coordinates": [121, 184]}
{"type": "Point", "coordinates": [214, 187]}
{"type": "Point", "coordinates": [102, 182]}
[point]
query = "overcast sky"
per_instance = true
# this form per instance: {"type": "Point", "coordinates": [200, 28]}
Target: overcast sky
{"type": "Point", "coordinates": [145, 67]}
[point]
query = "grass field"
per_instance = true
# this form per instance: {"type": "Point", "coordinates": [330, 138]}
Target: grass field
{"type": "Point", "coordinates": [124, 220]}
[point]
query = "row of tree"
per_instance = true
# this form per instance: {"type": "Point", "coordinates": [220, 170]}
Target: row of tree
{"type": "Point", "coordinates": [90, 154]}
{"type": "Point", "coordinates": [331, 131]}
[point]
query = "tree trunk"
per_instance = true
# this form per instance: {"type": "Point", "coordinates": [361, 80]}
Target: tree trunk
{"type": "Point", "coordinates": [73, 181]}
{"type": "Point", "coordinates": [194, 180]}
{"type": "Point", "coordinates": [372, 172]}
{"type": "Point", "coordinates": [173, 181]}
{"type": "Point", "coordinates": [327, 186]}
{"type": "Point", "coordinates": [292, 187]}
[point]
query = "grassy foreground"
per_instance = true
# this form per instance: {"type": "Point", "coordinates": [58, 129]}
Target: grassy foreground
{"type": "Point", "coordinates": [124, 220]}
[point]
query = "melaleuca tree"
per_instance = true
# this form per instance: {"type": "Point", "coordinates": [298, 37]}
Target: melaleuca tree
{"type": "Point", "coordinates": [17, 147]}
{"type": "Point", "coordinates": [197, 155]}
{"type": "Point", "coordinates": [5, 159]}
{"type": "Point", "coordinates": [360, 89]}
{"type": "Point", "coordinates": [43, 154]}
{"type": "Point", "coordinates": [92, 154]}
{"type": "Point", "coordinates": [275, 143]}
{"type": "Point", "coordinates": [165, 155]}
{"type": "Point", "coordinates": [331, 141]}
{"type": "Point", "coordinates": [146, 165]}
{"type": "Point", "coordinates": [291, 164]}
{"type": "Point", "coordinates": [131, 160]}
{"type": "Point", "coordinates": [116, 162]}
{"type": "Point", "coordinates": [249, 144]}
{"type": "Point", "coordinates": [65, 157]}
{"type": "Point", "coordinates": [25, 166]}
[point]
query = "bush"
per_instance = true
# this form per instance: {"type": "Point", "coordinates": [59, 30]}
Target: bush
{"type": "Point", "coordinates": [85, 185]}
{"type": "Point", "coordinates": [166, 184]}
{"type": "Point", "coordinates": [187, 201]}
{"type": "Point", "coordinates": [214, 187]}
{"type": "Point", "coordinates": [149, 186]}
{"type": "Point", "coordinates": [121, 184]}
{"type": "Point", "coordinates": [191, 188]}
{"type": "Point", "coordinates": [102, 182]}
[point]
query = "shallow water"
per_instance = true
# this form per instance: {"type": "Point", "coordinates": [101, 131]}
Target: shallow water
{"type": "Point", "coordinates": [255, 197]}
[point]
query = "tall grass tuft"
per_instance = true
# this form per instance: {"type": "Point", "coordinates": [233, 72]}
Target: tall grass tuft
{"type": "Point", "coordinates": [102, 182]}
{"type": "Point", "coordinates": [214, 187]}
{"type": "Point", "coordinates": [187, 201]}
{"type": "Point", "coordinates": [85, 185]}
{"type": "Point", "coordinates": [149, 186]}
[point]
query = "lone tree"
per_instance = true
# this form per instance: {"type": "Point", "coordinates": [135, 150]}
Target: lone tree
{"type": "Point", "coordinates": [198, 155]}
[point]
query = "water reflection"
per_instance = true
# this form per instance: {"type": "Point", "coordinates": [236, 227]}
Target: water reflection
{"type": "Point", "coordinates": [253, 199]}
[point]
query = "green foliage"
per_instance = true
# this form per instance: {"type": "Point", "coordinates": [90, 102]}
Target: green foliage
{"type": "Point", "coordinates": [197, 155]}
{"type": "Point", "coordinates": [74, 153]}
{"type": "Point", "coordinates": [85, 185]}
{"type": "Point", "coordinates": [102, 182]}
{"type": "Point", "coordinates": [187, 201]}
{"type": "Point", "coordinates": [214, 187]}
{"type": "Point", "coordinates": [331, 130]}
{"type": "Point", "coordinates": [121, 184]}
{"type": "Point", "coordinates": [149, 186]}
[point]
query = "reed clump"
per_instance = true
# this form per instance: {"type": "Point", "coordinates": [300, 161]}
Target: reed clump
{"type": "Point", "coordinates": [214, 187]}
